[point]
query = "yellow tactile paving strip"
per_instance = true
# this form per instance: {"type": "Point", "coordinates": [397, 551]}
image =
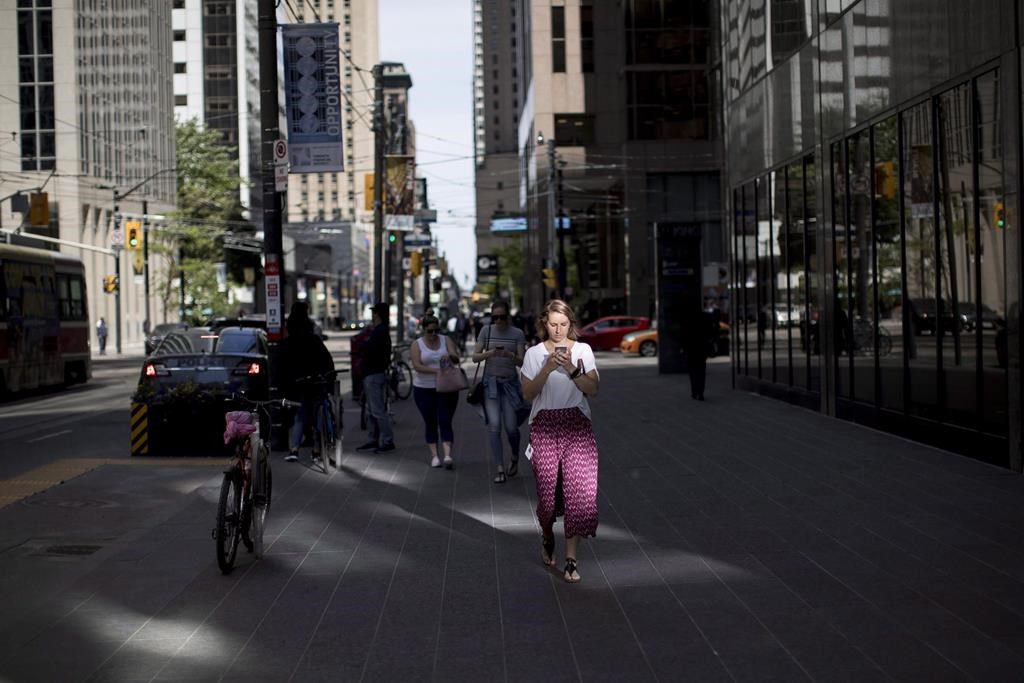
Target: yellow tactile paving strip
{"type": "Point", "coordinates": [46, 476]}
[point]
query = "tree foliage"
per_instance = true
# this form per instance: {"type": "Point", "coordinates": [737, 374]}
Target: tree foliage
{"type": "Point", "coordinates": [208, 207]}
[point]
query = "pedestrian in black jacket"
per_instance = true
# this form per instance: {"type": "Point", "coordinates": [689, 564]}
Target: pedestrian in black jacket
{"type": "Point", "coordinates": [376, 353]}
{"type": "Point", "coordinates": [303, 355]}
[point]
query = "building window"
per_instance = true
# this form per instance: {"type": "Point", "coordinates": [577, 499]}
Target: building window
{"type": "Point", "coordinates": [179, 67]}
{"type": "Point", "coordinates": [558, 39]}
{"type": "Point", "coordinates": [179, 4]}
{"type": "Point", "coordinates": [181, 100]}
{"type": "Point", "coordinates": [179, 36]}
{"type": "Point", "coordinates": [668, 32]}
{"type": "Point", "coordinates": [35, 88]}
{"type": "Point", "coordinates": [220, 40]}
{"type": "Point", "coordinates": [587, 38]}
{"type": "Point", "coordinates": [668, 105]}
{"type": "Point", "coordinates": [212, 9]}
{"type": "Point", "coordinates": [574, 130]}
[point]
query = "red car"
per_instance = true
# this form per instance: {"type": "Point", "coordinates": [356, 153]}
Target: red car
{"type": "Point", "coordinates": [607, 332]}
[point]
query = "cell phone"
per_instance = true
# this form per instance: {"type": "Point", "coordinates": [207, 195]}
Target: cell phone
{"type": "Point", "coordinates": [561, 350]}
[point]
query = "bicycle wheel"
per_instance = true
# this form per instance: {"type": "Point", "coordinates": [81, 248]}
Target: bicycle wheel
{"type": "Point", "coordinates": [229, 512]}
{"type": "Point", "coordinates": [402, 382]}
{"type": "Point", "coordinates": [263, 488]}
{"type": "Point", "coordinates": [884, 344]}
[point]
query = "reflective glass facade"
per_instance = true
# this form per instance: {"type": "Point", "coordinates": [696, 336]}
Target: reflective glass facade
{"type": "Point", "coordinates": [872, 154]}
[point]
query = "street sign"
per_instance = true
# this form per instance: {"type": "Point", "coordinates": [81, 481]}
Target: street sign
{"type": "Point", "coordinates": [414, 241]}
{"type": "Point", "coordinates": [280, 151]}
{"type": "Point", "coordinates": [280, 176]}
{"type": "Point", "coordinates": [486, 264]}
{"type": "Point", "coordinates": [272, 281]}
{"type": "Point", "coordinates": [406, 263]}
{"type": "Point", "coordinates": [116, 238]}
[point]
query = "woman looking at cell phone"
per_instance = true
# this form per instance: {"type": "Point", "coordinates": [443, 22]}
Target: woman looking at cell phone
{"type": "Point", "coordinates": [502, 346]}
{"type": "Point", "coordinates": [558, 375]}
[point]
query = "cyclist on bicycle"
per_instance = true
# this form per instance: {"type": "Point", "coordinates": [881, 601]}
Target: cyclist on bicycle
{"type": "Point", "coordinates": [303, 355]}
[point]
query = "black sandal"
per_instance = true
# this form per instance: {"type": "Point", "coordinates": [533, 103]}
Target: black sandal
{"type": "Point", "coordinates": [499, 478]}
{"type": "Point", "coordinates": [513, 467]}
{"type": "Point", "coordinates": [548, 546]}
{"type": "Point", "coordinates": [570, 569]}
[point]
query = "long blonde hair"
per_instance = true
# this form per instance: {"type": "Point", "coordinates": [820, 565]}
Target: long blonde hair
{"type": "Point", "coordinates": [556, 306]}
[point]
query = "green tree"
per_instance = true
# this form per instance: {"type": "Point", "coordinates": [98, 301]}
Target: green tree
{"type": "Point", "coordinates": [208, 208]}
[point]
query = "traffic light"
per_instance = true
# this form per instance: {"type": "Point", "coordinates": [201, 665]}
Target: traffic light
{"type": "Point", "coordinates": [416, 263]}
{"type": "Point", "coordinates": [110, 283]}
{"type": "Point", "coordinates": [999, 212]}
{"type": "Point", "coordinates": [550, 278]}
{"type": "Point", "coordinates": [391, 238]}
{"type": "Point", "coordinates": [39, 210]}
{"type": "Point", "coordinates": [133, 237]}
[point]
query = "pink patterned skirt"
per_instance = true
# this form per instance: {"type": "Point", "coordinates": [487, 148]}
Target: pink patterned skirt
{"type": "Point", "coordinates": [564, 438]}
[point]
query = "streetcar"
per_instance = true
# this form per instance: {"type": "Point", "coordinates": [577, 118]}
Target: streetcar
{"type": "Point", "coordinates": [44, 320]}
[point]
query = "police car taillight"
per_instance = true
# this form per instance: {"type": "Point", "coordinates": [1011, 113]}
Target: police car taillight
{"type": "Point", "coordinates": [156, 370]}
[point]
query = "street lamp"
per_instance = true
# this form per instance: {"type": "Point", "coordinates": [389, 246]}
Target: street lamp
{"type": "Point", "coordinates": [118, 196]}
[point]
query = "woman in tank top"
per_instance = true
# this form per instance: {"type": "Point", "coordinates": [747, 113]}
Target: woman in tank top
{"type": "Point", "coordinates": [437, 409]}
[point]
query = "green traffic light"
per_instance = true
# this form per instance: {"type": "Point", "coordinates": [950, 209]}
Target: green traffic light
{"type": "Point", "coordinates": [391, 238]}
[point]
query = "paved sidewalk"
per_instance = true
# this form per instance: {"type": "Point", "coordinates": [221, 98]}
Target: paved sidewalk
{"type": "Point", "coordinates": [741, 539]}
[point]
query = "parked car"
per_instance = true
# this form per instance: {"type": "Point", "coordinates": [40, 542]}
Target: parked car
{"type": "Point", "coordinates": [256, 320]}
{"type": "Point", "coordinates": [785, 316]}
{"type": "Point", "coordinates": [607, 332]}
{"type": "Point", "coordinates": [645, 342]}
{"type": "Point", "coordinates": [969, 314]}
{"type": "Point", "coordinates": [187, 382]}
{"type": "Point", "coordinates": [924, 315]}
{"type": "Point", "coordinates": [158, 333]}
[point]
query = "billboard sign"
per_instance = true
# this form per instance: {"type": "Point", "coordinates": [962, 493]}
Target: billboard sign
{"type": "Point", "coordinates": [313, 97]}
{"type": "Point", "coordinates": [400, 185]}
{"type": "Point", "coordinates": [513, 224]}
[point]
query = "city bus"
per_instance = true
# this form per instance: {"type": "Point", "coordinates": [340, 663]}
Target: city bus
{"type": "Point", "coordinates": [44, 319]}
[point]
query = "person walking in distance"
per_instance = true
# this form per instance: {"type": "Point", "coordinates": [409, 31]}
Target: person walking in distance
{"type": "Point", "coordinates": [502, 346]}
{"type": "Point", "coordinates": [376, 355]}
{"type": "Point", "coordinates": [696, 336]}
{"type": "Point", "coordinates": [558, 375]}
{"type": "Point", "coordinates": [437, 408]}
{"type": "Point", "coordinates": [101, 334]}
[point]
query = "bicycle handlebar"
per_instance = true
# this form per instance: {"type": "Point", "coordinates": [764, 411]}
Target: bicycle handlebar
{"type": "Point", "coordinates": [283, 402]}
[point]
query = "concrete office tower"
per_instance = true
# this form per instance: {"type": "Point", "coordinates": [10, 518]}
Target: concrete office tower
{"type": "Point", "coordinates": [85, 95]}
{"type": "Point", "coordinates": [216, 79]}
{"type": "Point", "coordinates": [627, 93]}
{"type": "Point", "coordinates": [497, 96]}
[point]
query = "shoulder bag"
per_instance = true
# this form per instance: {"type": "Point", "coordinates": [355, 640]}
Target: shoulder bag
{"type": "Point", "coordinates": [452, 378]}
{"type": "Point", "coordinates": [476, 395]}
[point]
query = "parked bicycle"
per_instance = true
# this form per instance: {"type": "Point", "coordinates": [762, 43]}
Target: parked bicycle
{"type": "Point", "coordinates": [328, 420]}
{"type": "Point", "coordinates": [864, 338]}
{"type": "Point", "coordinates": [245, 492]}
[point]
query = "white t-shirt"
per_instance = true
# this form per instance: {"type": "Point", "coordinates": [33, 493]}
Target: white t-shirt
{"type": "Point", "coordinates": [559, 391]}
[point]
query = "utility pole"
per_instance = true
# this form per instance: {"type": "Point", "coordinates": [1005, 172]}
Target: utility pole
{"type": "Point", "coordinates": [117, 274]}
{"type": "Point", "coordinates": [145, 261]}
{"type": "Point", "coordinates": [378, 183]}
{"type": "Point", "coordinates": [272, 241]}
{"type": "Point", "coordinates": [400, 294]}
{"type": "Point", "coordinates": [560, 231]}
{"type": "Point", "coordinates": [550, 232]}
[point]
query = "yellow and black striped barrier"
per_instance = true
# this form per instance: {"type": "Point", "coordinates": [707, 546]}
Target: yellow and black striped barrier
{"type": "Point", "coordinates": [140, 429]}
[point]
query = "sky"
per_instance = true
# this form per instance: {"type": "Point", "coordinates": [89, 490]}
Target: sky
{"type": "Point", "coordinates": [434, 39]}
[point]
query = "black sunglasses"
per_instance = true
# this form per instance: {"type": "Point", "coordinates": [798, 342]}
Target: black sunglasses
{"type": "Point", "coordinates": [431, 330]}
{"type": "Point", "coordinates": [500, 316]}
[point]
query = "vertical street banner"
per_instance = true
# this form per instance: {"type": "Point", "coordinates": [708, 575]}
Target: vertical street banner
{"type": "Point", "coordinates": [272, 281]}
{"type": "Point", "coordinates": [313, 97]}
{"type": "Point", "coordinates": [400, 192]}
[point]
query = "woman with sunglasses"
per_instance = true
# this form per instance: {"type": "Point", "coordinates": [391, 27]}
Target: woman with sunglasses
{"type": "Point", "coordinates": [559, 375]}
{"type": "Point", "coordinates": [503, 347]}
{"type": "Point", "coordinates": [437, 409]}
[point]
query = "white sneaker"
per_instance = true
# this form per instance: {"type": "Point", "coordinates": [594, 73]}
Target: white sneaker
{"type": "Point", "coordinates": [435, 462]}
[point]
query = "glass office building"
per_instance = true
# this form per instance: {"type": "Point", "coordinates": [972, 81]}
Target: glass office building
{"type": "Point", "coordinates": [873, 166]}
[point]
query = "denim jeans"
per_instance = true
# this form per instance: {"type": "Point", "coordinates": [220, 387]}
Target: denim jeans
{"type": "Point", "coordinates": [378, 420]}
{"type": "Point", "coordinates": [307, 413]}
{"type": "Point", "coordinates": [500, 411]}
